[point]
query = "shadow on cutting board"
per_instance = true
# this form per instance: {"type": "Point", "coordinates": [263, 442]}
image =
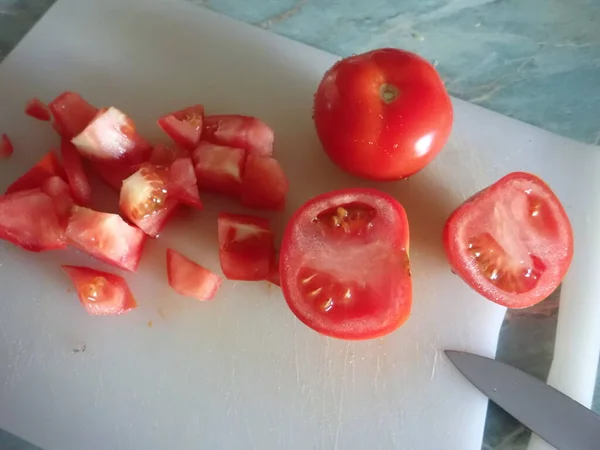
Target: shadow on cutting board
{"type": "Point", "coordinates": [9, 441]}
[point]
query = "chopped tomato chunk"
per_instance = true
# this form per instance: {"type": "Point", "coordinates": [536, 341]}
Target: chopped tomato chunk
{"type": "Point", "coordinates": [60, 192]}
{"type": "Point", "coordinates": [101, 293]}
{"type": "Point", "coordinates": [189, 278]}
{"type": "Point", "coordinates": [71, 114]}
{"type": "Point", "coordinates": [80, 186]}
{"type": "Point", "coordinates": [182, 183]}
{"type": "Point", "coordinates": [184, 126]}
{"type": "Point", "coordinates": [46, 167]}
{"type": "Point", "coordinates": [38, 110]}
{"type": "Point", "coordinates": [264, 185]}
{"type": "Point", "coordinates": [165, 155]}
{"type": "Point", "coordinates": [218, 168]}
{"type": "Point", "coordinates": [245, 132]}
{"type": "Point", "coordinates": [6, 146]}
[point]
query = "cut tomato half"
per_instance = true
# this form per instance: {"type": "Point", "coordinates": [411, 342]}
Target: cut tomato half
{"type": "Point", "coordinates": [71, 114]}
{"type": "Point", "coordinates": [80, 186]}
{"type": "Point", "coordinates": [60, 192]}
{"type": "Point", "coordinates": [38, 110]}
{"type": "Point", "coordinates": [245, 247]}
{"type": "Point", "coordinates": [6, 146]}
{"type": "Point", "coordinates": [184, 126]}
{"type": "Point", "coordinates": [144, 199]}
{"type": "Point", "coordinates": [511, 242]}
{"type": "Point", "coordinates": [106, 237]}
{"type": "Point", "coordinates": [189, 278]}
{"type": "Point", "coordinates": [46, 167]}
{"type": "Point", "coordinates": [165, 155]}
{"type": "Point", "coordinates": [101, 293]}
{"type": "Point", "coordinates": [183, 185]}
{"type": "Point", "coordinates": [264, 184]}
{"type": "Point", "coordinates": [28, 219]}
{"type": "Point", "coordinates": [245, 132]}
{"type": "Point", "coordinates": [112, 137]}
{"type": "Point", "coordinates": [219, 168]}
{"type": "Point", "coordinates": [344, 264]}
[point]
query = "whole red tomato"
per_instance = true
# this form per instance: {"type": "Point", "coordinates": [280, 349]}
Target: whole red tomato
{"type": "Point", "coordinates": [382, 115]}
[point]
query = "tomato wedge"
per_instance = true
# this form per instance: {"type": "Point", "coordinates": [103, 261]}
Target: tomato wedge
{"type": "Point", "coordinates": [80, 186]}
{"type": "Point", "coordinates": [189, 278]}
{"type": "Point", "coordinates": [101, 293]}
{"type": "Point", "coordinates": [344, 264]}
{"type": "Point", "coordinates": [112, 137]}
{"type": "Point", "coordinates": [245, 247]}
{"type": "Point", "coordinates": [183, 185]}
{"type": "Point", "coordinates": [28, 219]}
{"type": "Point", "coordinates": [60, 192]}
{"type": "Point", "coordinates": [219, 168]}
{"type": "Point", "coordinates": [6, 146]}
{"type": "Point", "coordinates": [71, 114]}
{"type": "Point", "coordinates": [184, 126]}
{"type": "Point", "coordinates": [46, 167]}
{"type": "Point", "coordinates": [511, 242]}
{"type": "Point", "coordinates": [106, 237]}
{"type": "Point", "coordinates": [38, 110]}
{"type": "Point", "coordinates": [144, 199]}
{"type": "Point", "coordinates": [264, 184]}
{"type": "Point", "coordinates": [245, 132]}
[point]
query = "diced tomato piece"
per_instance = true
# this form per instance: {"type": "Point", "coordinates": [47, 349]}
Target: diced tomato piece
{"type": "Point", "coordinates": [165, 155]}
{"type": "Point", "coordinates": [38, 110]}
{"type": "Point", "coordinates": [28, 219]}
{"type": "Point", "coordinates": [101, 293]}
{"type": "Point", "coordinates": [6, 146]}
{"type": "Point", "coordinates": [71, 114]}
{"type": "Point", "coordinates": [184, 126]}
{"type": "Point", "coordinates": [106, 237]}
{"type": "Point", "coordinates": [144, 200]}
{"type": "Point", "coordinates": [274, 272]}
{"type": "Point", "coordinates": [46, 167]}
{"type": "Point", "coordinates": [245, 246]}
{"type": "Point", "coordinates": [189, 278]}
{"type": "Point", "coordinates": [113, 174]}
{"type": "Point", "coordinates": [60, 192]}
{"type": "Point", "coordinates": [218, 168]}
{"type": "Point", "coordinates": [80, 186]}
{"type": "Point", "coordinates": [248, 133]}
{"type": "Point", "coordinates": [112, 137]}
{"type": "Point", "coordinates": [182, 183]}
{"type": "Point", "coordinates": [264, 185]}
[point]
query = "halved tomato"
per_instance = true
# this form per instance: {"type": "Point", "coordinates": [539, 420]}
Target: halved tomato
{"type": "Point", "coordinates": [511, 242]}
{"type": "Point", "coordinates": [184, 126]}
{"type": "Point", "coordinates": [71, 114]}
{"type": "Point", "coordinates": [144, 199]}
{"type": "Point", "coordinates": [28, 219]}
{"type": "Point", "coordinates": [264, 184]}
{"type": "Point", "coordinates": [38, 110]}
{"type": "Point", "coordinates": [101, 293]}
{"type": "Point", "coordinates": [183, 185]}
{"type": "Point", "coordinates": [344, 264]}
{"type": "Point", "coordinates": [189, 278]}
{"type": "Point", "coordinates": [245, 246]}
{"type": "Point", "coordinates": [165, 155]}
{"type": "Point", "coordinates": [46, 167]}
{"type": "Point", "coordinates": [6, 146]}
{"type": "Point", "coordinates": [60, 192]}
{"type": "Point", "coordinates": [106, 237]}
{"type": "Point", "coordinates": [219, 168]}
{"type": "Point", "coordinates": [80, 186]}
{"type": "Point", "coordinates": [112, 137]}
{"type": "Point", "coordinates": [245, 132]}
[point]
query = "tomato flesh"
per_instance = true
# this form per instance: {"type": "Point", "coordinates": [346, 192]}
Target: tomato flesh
{"type": "Point", "coordinates": [512, 242]}
{"type": "Point", "coordinates": [264, 184]}
{"type": "Point", "coordinates": [245, 132]}
{"type": "Point", "coordinates": [245, 247]}
{"type": "Point", "coordinates": [112, 137]}
{"type": "Point", "coordinates": [344, 264]}
{"type": "Point", "coordinates": [6, 146]}
{"type": "Point", "coordinates": [37, 109]}
{"type": "Point", "coordinates": [113, 174]}
{"type": "Point", "coordinates": [185, 126]}
{"type": "Point", "coordinates": [165, 155]}
{"type": "Point", "coordinates": [71, 114]}
{"type": "Point", "coordinates": [106, 237]}
{"type": "Point", "coordinates": [219, 168]}
{"type": "Point", "coordinates": [46, 167]}
{"type": "Point", "coordinates": [101, 293]}
{"type": "Point", "coordinates": [80, 186]}
{"type": "Point", "coordinates": [183, 185]}
{"type": "Point", "coordinates": [60, 192]}
{"type": "Point", "coordinates": [382, 115]}
{"type": "Point", "coordinates": [189, 278]}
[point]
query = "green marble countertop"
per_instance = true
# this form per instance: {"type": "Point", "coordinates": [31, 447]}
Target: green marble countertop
{"type": "Point", "coordinates": [535, 60]}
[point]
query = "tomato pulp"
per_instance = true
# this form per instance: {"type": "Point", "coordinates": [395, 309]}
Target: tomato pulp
{"type": "Point", "coordinates": [382, 115]}
{"type": "Point", "coordinates": [344, 264]}
{"type": "Point", "coordinates": [511, 242]}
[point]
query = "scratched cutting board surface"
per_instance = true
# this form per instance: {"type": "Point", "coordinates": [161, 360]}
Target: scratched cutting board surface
{"type": "Point", "coordinates": [239, 372]}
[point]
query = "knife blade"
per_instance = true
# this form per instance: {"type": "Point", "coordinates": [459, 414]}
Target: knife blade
{"type": "Point", "coordinates": [556, 418]}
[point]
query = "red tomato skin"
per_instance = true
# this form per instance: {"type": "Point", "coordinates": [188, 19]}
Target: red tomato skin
{"type": "Point", "coordinates": [46, 167]}
{"type": "Point", "coordinates": [60, 192]}
{"type": "Point", "coordinates": [165, 155]}
{"type": "Point", "coordinates": [245, 132]}
{"type": "Point", "coordinates": [78, 181]}
{"type": "Point", "coordinates": [38, 110]}
{"type": "Point", "coordinates": [264, 184]}
{"type": "Point", "coordinates": [189, 278]}
{"type": "Point", "coordinates": [71, 114]}
{"type": "Point", "coordinates": [288, 245]}
{"type": "Point", "coordinates": [183, 185]}
{"type": "Point", "coordinates": [6, 146]}
{"type": "Point", "coordinates": [181, 129]}
{"type": "Point", "coordinates": [451, 246]}
{"type": "Point", "coordinates": [121, 299]}
{"type": "Point", "coordinates": [374, 139]}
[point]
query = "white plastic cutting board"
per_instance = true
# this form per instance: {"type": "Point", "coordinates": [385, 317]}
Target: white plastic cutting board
{"type": "Point", "coordinates": [239, 372]}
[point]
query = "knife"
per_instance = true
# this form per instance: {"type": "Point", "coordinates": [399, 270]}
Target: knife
{"type": "Point", "coordinates": [556, 418]}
